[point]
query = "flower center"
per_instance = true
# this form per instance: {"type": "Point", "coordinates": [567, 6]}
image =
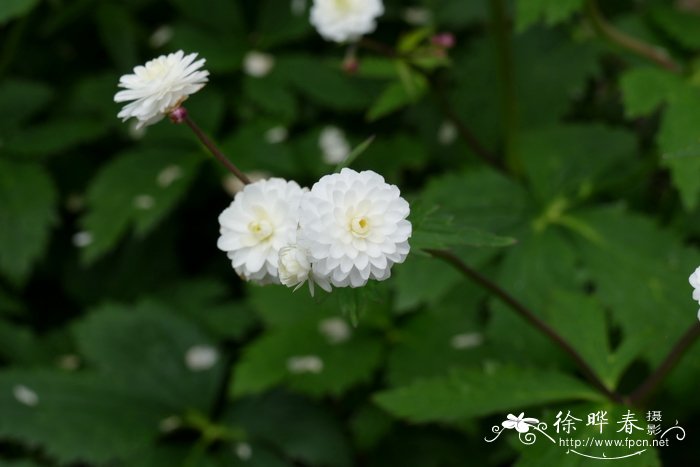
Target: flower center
{"type": "Point", "coordinates": [359, 226]}
{"type": "Point", "coordinates": [343, 5]}
{"type": "Point", "coordinates": [260, 229]}
{"type": "Point", "coordinates": [156, 69]}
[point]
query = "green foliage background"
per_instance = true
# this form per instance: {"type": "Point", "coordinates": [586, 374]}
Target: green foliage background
{"type": "Point", "coordinates": [598, 181]}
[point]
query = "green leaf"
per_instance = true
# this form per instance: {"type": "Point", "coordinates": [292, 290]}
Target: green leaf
{"type": "Point", "coordinates": [20, 100]}
{"type": "Point", "coordinates": [146, 349]}
{"type": "Point", "coordinates": [398, 95]}
{"type": "Point", "coordinates": [136, 189]}
{"type": "Point", "coordinates": [117, 30]}
{"type": "Point", "coordinates": [644, 89]}
{"type": "Point", "coordinates": [75, 417]}
{"type": "Point", "coordinates": [475, 393]}
{"type": "Point", "coordinates": [55, 137]}
{"type": "Point", "coordinates": [683, 26]}
{"type": "Point", "coordinates": [272, 359]}
{"type": "Point", "coordinates": [314, 437]}
{"type": "Point", "coordinates": [27, 212]}
{"type": "Point", "coordinates": [646, 280]}
{"type": "Point", "coordinates": [573, 160]}
{"type": "Point", "coordinates": [679, 142]}
{"type": "Point", "coordinates": [11, 9]}
{"type": "Point", "coordinates": [434, 228]}
{"type": "Point", "coordinates": [529, 12]}
{"type": "Point", "coordinates": [355, 153]}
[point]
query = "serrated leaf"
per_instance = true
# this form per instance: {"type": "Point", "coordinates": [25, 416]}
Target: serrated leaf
{"type": "Point", "coordinates": [529, 12]}
{"type": "Point", "coordinates": [27, 212]}
{"type": "Point", "coordinates": [333, 368]}
{"type": "Point", "coordinates": [679, 142]}
{"type": "Point", "coordinates": [75, 417]}
{"type": "Point", "coordinates": [136, 189]}
{"type": "Point", "coordinates": [145, 349]}
{"type": "Point", "coordinates": [474, 393]}
{"type": "Point", "coordinates": [314, 437]}
{"type": "Point", "coordinates": [644, 89]}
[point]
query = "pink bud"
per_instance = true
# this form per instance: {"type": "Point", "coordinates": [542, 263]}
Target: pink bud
{"type": "Point", "coordinates": [178, 115]}
{"type": "Point", "coordinates": [445, 40]}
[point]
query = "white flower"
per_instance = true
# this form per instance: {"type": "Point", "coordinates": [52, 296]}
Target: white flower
{"type": "Point", "coordinates": [304, 364]}
{"type": "Point", "coordinates": [694, 280]}
{"type": "Point", "coordinates": [522, 425]}
{"type": "Point", "coordinates": [355, 228]}
{"type": "Point", "coordinates": [334, 146]}
{"type": "Point", "coordinates": [160, 86]}
{"type": "Point", "coordinates": [335, 330]}
{"type": "Point", "coordinates": [258, 64]}
{"type": "Point", "coordinates": [295, 269]}
{"type": "Point", "coordinates": [201, 357]}
{"type": "Point", "coordinates": [261, 220]}
{"type": "Point", "coordinates": [25, 395]}
{"type": "Point", "coordinates": [345, 20]}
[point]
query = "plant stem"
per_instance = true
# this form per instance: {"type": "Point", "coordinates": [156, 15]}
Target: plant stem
{"type": "Point", "coordinates": [674, 356]}
{"type": "Point", "coordinates": [509, 102]}
{"type": "Point", "coordinates": [462, 129]}
{"type": "Point", "coordinates": [529, 316]}
{"type": "Point", "coordinates": [206, 141]}
{"type": "Point", "coordinates": [614, 35]}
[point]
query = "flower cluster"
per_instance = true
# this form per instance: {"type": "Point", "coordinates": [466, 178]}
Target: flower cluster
{"type": "Point", "coordinates": [351, 227]}
{"type": "Point", "coordinates": [694, 280]}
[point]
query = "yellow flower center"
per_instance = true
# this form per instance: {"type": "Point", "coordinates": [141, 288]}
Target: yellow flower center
{"type": "Point", "coordinates": [260, 229]}
{"type": "Point", "coordinates": [343, 5]}
{"type": "Point", "coordinates": [359, 226]}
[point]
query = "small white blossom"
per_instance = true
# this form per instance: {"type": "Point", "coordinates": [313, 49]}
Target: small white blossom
{"type": "Point", "coordinates": [466, 341]}
{"type": "Point", "coordinates": [161, 36]}
{"type": "Point", "coordinates": [160, 86]}
{"type": "Point", "coordinates": [694, 280]}
{"type": "Point", "coordinates": [417, 16]}
{"type": "Point", "coordinates": [355, 227]}
{"type": "Point", "coordinates": [305, 364]}
{"type": "Point", "coordinates": [70, 362]}
{"type": "Point", "coordinates": [201, 357]}
{"type": "Point", "coordinates": [261, 220]}
{"type": "Point", "coordinates": [298, 7]}
{"type": "Point", "coordinates": [82, 239]}
{"type": "Point", "coordinates": [276, 135]}
{"type": "Point", "coordinates": [295, 269]}
{"type": "Point", "coordinates": [334, 145]}
{"type": "Point", "coordinates": [25, 396]}
{"type": "Point", "coordinates": [447, 134]}
{"type": "Point", "coordinates": [169, 175]}
{"type": "Point", "coordinates": [170, 424]}
{"type": "Point", "coordinates": [345, 20]}
{"type": "Point", "coordinates": [244, 451]}
{"type": "Point", "coordinates": [144, 202]}
{"type": "Point", "coordinates": [335, 330]}
{"type": "Point", "coordinates": [258, 64]}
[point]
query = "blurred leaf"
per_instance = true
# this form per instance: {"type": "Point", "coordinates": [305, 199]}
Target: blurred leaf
{"type": "Point", "coordinates": [529, 12]}
{"type": "Point", "coordinates": [117, 30]}
{"type": "Point", "coordinates": [644, 89]}
{"type": "Point", "coordinates": [20, 100]}
{"type": "Point", "coordinates": [573, 160]}
{"type": "Point", "coordinates": [398, 95]}
{"type": "Point", "coordinates": [55, 137]}
{"type": "Point", "coordinates": [322, 83]}
{"type": "Point", "coordinates": [474, 393]}
{"type": "Point", "coordinates": [278, 26]}
{"type": "Point", "coordinates": [219, 16]}
{"type": "Point", "coordinates": [10, 9]}
{"type": "Point", "coordinates": [137, 188]}
{"type": "Point", "coordinates": [27, 212]}
{"type": "Point", "coordinates": [634, 277]}
{"type": "Point", "coordinates": [272, 360]}
{"type": "Point", "coordinates": [679, 142]}
{"type": "Point", "coordinates": [75, 417]}
{"type": "Point", "coordinates": [223, 51]}
{"type": "Point", "coordinates": [271, 96]}
{"type": "Point", "coordinates": [355, 153]}
{"type": "Point", "coordinates": [683, 26]}
{"type": "Point", "coordinates": [145, 349]}
{"type": "Point", "coordinates": [423, 280]}
{"type": "Point", "coordinates": [302, 429]}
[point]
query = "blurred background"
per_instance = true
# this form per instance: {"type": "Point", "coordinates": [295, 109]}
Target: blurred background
{"type": "Point", "coordinates": [126, 338]}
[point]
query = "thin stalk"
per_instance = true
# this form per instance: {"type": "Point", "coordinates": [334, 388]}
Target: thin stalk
{"type": "Point", "coordinates": [529, 316]}
{"type": "Point", "coordinates": [611, 33]}
{"type": "Point", "coordinates": [509, 102]}
{"type": "Point", "coordinates": [654, 380]}
{"type": "Point", "coordinates": [216, 152]}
